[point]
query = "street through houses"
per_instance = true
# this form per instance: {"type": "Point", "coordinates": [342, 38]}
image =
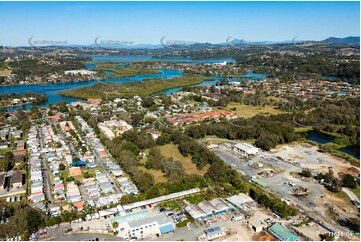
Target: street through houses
{"type": "Point", "coordinates": [100, 162]}
{"type": "Point", "coordinates": [46, 173]}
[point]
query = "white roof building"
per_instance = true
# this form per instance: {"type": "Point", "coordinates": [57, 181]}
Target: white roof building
{"type": "Point", "coordinates": [246, 149]}
{"type": "Point", "coordinates": [220, 205]}
{"type": "Point", "coordinates": [238, 200]}
{"type": "Point", "coordinates": [207, 207]}
{"type": "Point", "coordinates": [195, 211]}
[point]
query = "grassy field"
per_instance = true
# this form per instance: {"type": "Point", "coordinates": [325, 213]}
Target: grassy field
{"type": "Point", "coordinates": [275, 99]}
{"type": "Point", "coordinates": [157, 174]}
{"type": "Point", "coordinates": [169, 204]}
{"type": "Point", "coordinates": [303, 129]}
{"type": "Point", "coordinates": [195, 199]}
{"type": "Point", "coordinates": [248, 111]}
{"type": "Point", "coordinates": [128, 90]}
{"type": "Point", "coordinates": [171, 151]}
{"type": "Point", "coordinates": [4, 151]}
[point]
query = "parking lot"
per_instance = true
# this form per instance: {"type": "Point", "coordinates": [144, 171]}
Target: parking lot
{"type": "Point", "coordinates": [94, 224]}
{"type": "Point", "coordinates": [87, 237]}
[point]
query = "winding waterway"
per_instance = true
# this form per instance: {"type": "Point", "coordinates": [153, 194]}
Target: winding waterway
{"type": "Point", "coordinates": [52, 90]}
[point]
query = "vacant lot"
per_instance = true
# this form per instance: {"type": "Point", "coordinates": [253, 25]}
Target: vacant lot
{"type": "Point", "coordinates": [171, 151]}
{"type": "Point", "coordinates": [157, 174]}
{"type": "Point", "coordinates": [195, 199]}
{"type": "Point", "coordinates": [247, 111]}
{"type": "Point", "coordinates": [169, 204]}
{"type": "Point", "coordinates": [4, 72]}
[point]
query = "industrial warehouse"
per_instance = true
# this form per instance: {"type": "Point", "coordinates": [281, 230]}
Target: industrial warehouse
{"type": "Point", "coordinates": [206, 209]}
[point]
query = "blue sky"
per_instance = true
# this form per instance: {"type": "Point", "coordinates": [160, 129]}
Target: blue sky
{"type": "Point", "coordinates": [148, 22]}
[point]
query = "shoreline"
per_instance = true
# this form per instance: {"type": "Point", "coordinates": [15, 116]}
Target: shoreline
{"type": "Point", "coordinates": [46, 84]}
{"type": "Point", "coordinates": [23, 104]}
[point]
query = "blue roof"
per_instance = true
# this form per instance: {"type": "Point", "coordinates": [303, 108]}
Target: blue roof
{"type": "Point", "coordinates": [79, 163]}
{"type": "Point", "coordinates": [211, 230]}
{"type": "Point", "coordinates": [166, 229]}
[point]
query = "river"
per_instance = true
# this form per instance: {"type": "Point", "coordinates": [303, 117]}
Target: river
{"type": "Point", "coordinates": [52, 90]}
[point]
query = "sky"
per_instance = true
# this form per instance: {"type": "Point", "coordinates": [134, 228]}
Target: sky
{"type": "Point", "coordinates": [149, 22]}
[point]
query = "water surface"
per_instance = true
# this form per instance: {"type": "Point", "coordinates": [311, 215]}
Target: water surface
{"type": "Point", "coordinates": [323, 138]}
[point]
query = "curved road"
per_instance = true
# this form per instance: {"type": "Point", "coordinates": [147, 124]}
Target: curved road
{"type": "Point", "coordinates": [352, 195]}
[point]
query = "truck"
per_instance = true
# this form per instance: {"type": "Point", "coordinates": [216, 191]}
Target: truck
{"type": "Point", "coordinates": [237, 217]}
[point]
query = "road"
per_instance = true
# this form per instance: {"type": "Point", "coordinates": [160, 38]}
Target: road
{"type": "Point", "coordinates": [100, 163]}
{"type": "Point", "coordinates": [98, 159]}
{"type": "Point", "coordinates": [86, 237]}
{"type": "Point", "coordinates": [46, 172]}
{"type": "Point", "coordinates": [352, 195]}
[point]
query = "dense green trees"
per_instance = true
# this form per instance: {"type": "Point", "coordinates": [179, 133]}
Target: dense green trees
{"type": "Point", "coordinates": [334, 184]}
{"type": "Point", "coordinates": [351, 223]}
{"type": "Point", "coordinates": [271, 202]}
{"type": "Point", "coordinates": [23, 220]}
{"type": "Point", "coordinates": [306, 173]}
{"type": "Point", "coordinates": [148, 102]}
{"type": "Point", "coordinates": [349, 181]}
{"type": "Point", "coordinates": [61, 167]}
{"type": "Point", "coordinates": [327, 237]}
{"type": "Point", "coordinates": [154, 159]}
{"type": "Point", "coordinates": [8, 162]}
{"type": "Point", "coordinates": [27, 67]}
{"type": "Point", "coordinates": [268, 131]}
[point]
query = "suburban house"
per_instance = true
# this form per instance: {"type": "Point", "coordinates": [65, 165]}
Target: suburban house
{"type": "Point", "coordinates": [19, 158]}
{"type": "Point", "coordinates": [212, 233]}
{"type": "Point", "coordinates": [2, 181]}
{"type": "Point", "coordinates": [197, 117]}
{"type": "Point", "coordinates": [17, 179]}
{"type": "Point", "coordinates": [75, 171]}
{"type": "Point", "coordinates": [4, 145]}
{"type": "Point", "coordinates": [17, 134]}
{"type": "Point", "coordinates": [3, 135]}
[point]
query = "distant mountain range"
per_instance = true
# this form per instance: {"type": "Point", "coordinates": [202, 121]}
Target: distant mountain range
{"type": "Point", "coordinates": [229, 42]}
{"type": "Point", "coordinates": [346, 40]}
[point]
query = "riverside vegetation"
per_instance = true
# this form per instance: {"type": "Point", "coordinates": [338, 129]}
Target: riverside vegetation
{"type": "Point", "coordinates": [127, 90]}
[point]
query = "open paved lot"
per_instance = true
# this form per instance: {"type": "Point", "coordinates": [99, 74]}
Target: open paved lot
{"type": "Point", "coordinates": [292, 159]}
{"type": "Point", "coordinates": [196, 229]}
{"type": "Point", "coordinates": [86, 237]}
